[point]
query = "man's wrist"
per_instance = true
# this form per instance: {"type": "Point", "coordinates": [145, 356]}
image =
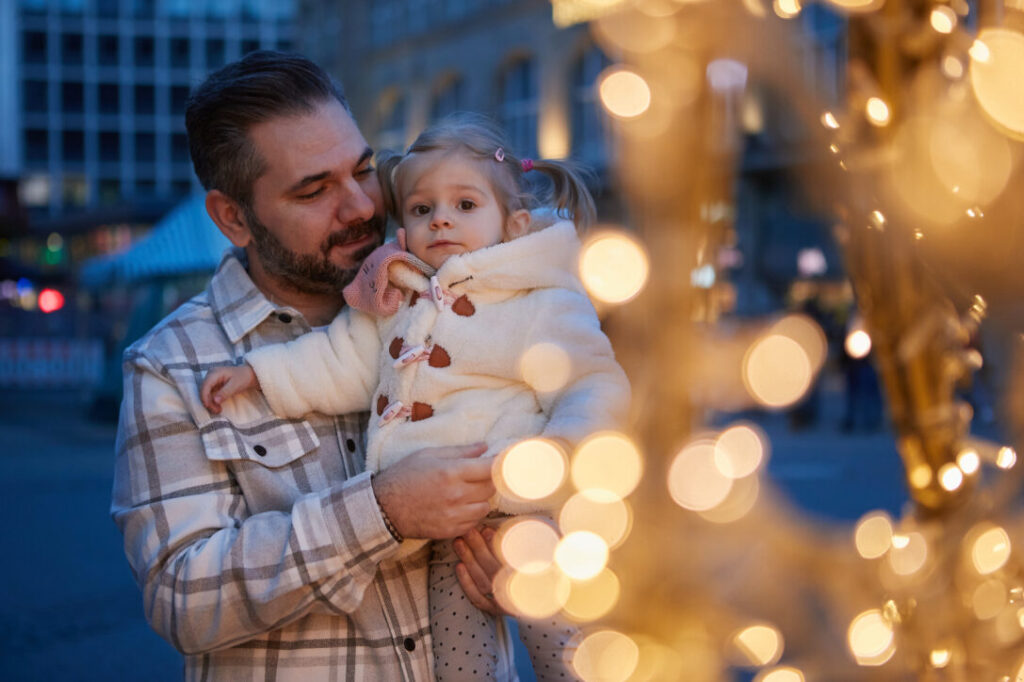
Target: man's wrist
{"type": "Point", "coordinates": [388, 523]}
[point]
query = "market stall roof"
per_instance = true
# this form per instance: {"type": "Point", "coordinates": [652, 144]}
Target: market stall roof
{"type": "Point", "coordinates": [185, 241]}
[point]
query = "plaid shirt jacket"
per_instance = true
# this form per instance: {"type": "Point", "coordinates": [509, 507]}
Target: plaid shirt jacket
{"type": "Point", "coordinates": [256, 540]}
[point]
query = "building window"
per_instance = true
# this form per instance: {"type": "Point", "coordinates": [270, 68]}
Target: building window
{"type": "Point", "coordinates": [33, 47]}
{"type": "Point", "coordinates": [107, 50]}
{"type": "Point", "coordinates": [109, 98]}
{"type": "Point", "coordinates": [179, 49]}
{"type": "Point", "coordinates": [75, 190]}
{"type": "Point", "coordinates": [179, 98]}
{"type": "Point", "coordinates": [180, 188]}
{"type": "Point", "coordinates": [108, 8]}
{"type": "Point", "coordinates": [73, 145]}
{"type": "Point", "coordinates": [284, 45]}
{"type": "Point", "coordinates": [449, 99]}
{"type": "Point", "coordinates": [519, 104]}
{"type": "Point", "coordinates": [37, 145]}
{"type": "Point", "coordinates": [250, 45]}
{"type": "Point", "coordinates": [33, 6]}
{"type": "Point", "coordinates": [214, 53]}
{"type": "Point", "coordinates": [145, 147]}
{"type": "Point", "coordinates": [144, 52]}
{"type": "Point", "coordinates": [72, 97]}
{"type": "Point", "coordinates": [145, 188]}
{"type": "Point", "coordinates": [72, 6]}
{"type": "Point", "coordinates": [587, 116]}
{"type": "Point", "coordinates": [71, 49]}
{"type": "Point", "coordinates": [179, 148]}
{"type": "Point", "coordinates": [35, 97]}
{"type": "Point", "coordinates": [143, 8]}
{"type": "Point", "coordinates": [391, 128]}
{"type": "Point", "coordinates": [109, 191]}
{"type": "Point", "coordinates": [110, 146]}
{"type": "Point", "coordinates": [145, 100]}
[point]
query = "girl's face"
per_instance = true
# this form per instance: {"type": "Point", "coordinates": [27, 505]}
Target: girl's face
{"type": "Point", "coordinates": [448, 207]}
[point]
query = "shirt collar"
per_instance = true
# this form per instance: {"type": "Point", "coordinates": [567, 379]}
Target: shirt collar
{"type": "Point", "coordinates": [236, 302]}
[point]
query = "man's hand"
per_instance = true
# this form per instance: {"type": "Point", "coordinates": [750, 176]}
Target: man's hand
{"type": "Point", "coordinates": [478, 569]}
{"type": "Point", "coordinates": [436, 493]}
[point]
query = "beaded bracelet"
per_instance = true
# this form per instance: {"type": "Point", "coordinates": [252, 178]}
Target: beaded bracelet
{"type": "Point", "coordinates": [384, 515]}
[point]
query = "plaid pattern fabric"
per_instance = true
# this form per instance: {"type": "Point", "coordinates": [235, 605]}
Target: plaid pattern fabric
{"type": "Point", "coordinates": [256, 540]}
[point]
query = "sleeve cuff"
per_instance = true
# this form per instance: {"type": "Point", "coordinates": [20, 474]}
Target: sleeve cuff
{"type": "Point", "coordinates": [355, 522]}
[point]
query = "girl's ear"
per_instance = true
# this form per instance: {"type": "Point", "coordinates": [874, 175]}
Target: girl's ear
{"type": "Point", "coordinates": [518, 224]}
{"type": "Point", "coordinates": [227, 214]}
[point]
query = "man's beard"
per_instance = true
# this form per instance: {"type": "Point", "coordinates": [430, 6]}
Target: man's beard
{"type": "Point", "coordinates": [312, 273]}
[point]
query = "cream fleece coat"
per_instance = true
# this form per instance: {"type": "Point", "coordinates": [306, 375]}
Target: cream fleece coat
{"type": "Point", "coordinates": [501, 301]}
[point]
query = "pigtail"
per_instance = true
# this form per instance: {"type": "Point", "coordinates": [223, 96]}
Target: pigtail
{"type": "Point", "coordinates": [387, 165]}
{"type": "Point", "coordinates": [569, 193]}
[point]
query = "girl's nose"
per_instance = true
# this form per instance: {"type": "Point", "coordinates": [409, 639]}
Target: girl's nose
{"type": "Point", "coordinates": [440, 221]}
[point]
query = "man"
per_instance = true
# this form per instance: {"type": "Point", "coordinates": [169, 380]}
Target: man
{"type": "Point", "coordinates": [261, 546]}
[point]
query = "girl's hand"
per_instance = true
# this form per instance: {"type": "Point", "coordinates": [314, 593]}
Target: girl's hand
{"type": "Point", "coordinates": [478, 569]}
{"type": "Point", "coordinates": [223, 382]}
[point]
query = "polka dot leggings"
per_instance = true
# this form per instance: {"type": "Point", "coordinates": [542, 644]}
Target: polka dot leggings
{"type": "Point", "coordinates": [465, 638]}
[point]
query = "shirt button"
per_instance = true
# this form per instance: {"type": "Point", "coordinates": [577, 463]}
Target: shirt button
{"type": "Point", "coordinates": [260, 450]}
{"type": "Point", "coordinates": [351, 445]}
{"type": "Point", "coordinates": [285, 317]}
{"type": "Point", "coordinates": [410, 645]}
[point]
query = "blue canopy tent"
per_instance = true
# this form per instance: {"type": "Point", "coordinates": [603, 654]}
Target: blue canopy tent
{"type": "Point", "coordinates": [182, 250]}
{"type": "Point", "coordinates": [184, 242]}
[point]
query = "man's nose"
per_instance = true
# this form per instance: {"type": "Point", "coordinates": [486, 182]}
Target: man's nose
{"type": "Point", "coordinates": [356, 205]}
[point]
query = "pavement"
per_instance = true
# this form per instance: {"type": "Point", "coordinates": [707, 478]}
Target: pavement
{"type": "Point", "coordinates": [70, 610]}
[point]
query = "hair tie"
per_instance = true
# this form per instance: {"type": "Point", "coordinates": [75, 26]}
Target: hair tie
{"type": "Point", "coordinates": [499, 155]}
{"type": "Point", "coordinates": [527, 165]}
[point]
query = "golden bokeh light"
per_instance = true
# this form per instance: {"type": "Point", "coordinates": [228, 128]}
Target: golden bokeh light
{"type": "Point", "coordinates": [606, 656]}
{"type": "Point", "coordinates": [760, 644]}
{"type": "Point", "coordinates": [950, 477]}
{"type": "Point", "coordinates": [782, 674]}
{"type": "Point", "coordinates": [908, 554]}
{"type": "Point", "coordinates": [756, 8]}
{"type": "Point", "coordinates": [740, 450]}
{"type": "Point", "coordinates": [920, 476]}
{"type": "Point", "coordinates": [870, 638]}
{"type": "Point", "coordinates": [940, 658]}
{"type": "Point", "coordinates": [613, 267]}
{"type": "Point", "coordinates": [970, 159]}
{"type": "Point", "coordinates": [581, 554]}
{"type": "Point", "coordinates": [545, 367]}
{"type": "Point", "coordinates": [624, 93]}
{"type": "Point", "coordinates": [806, 332]}
{"type": "Point", "coordinates": [943, 19]}
{"type": "Point", "coordinates": [968, 460]}
{"type": "Point", "coordinates": [858, 343]}
{"type": "Point", "coordinates": [594, 598]}
{"type": "Point", "coordinates": [979, 52]}
{"type": "Point", "coordinates": [531, 469]}
{"type": "Point", "coordinates": [607, 461]}
{"type": "Point", "coordinates": [786, 9]}
{"type": "Point", "coordinates": [857, 6]}
{"type": "Point", "coordinates": [1006, 457]}
{"type": "Point", "coordinates": [777, 371]}
{"type": "Point", "coordinates": [990, 550]}
{"type": "Point", "coordinates": [877, 111]}
{"type": "Point", "coordinates": [534, 595]}
{"type": "Point", "coordinates": [873, 535]}
{"type": "Point", "coordinates": [988, 599]}
{"type": "Point", "coordinates": [639, 32]}
{"type": "Point", "coordinates": [527, 545]}
{"type": "Point", "coordinates": [741, 499]}
{"type": "Point", "coordinates": [828, 119]}
{"type": "Point", "coordinates": [694, 480]}
{"type": "Point", "coordinates": [952, 67]}
{"type": "Point", "coordinates": [608, 516]}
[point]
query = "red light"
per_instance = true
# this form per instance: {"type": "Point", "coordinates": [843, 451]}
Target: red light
{"type": "Point", "coordinates": [50, 300]}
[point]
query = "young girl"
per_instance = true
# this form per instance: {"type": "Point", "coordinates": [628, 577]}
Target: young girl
{"type": "Point", "coordinates": [481, 282]}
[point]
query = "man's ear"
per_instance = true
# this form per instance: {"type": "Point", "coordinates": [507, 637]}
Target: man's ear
{"type": "Point", "coordinates": [518, 224]}
{"type": "Point", "coordinates": [228, 215]}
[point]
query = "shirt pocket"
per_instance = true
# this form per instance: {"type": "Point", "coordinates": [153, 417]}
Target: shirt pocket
{"type": "Point", "coordinates": [270, 441]}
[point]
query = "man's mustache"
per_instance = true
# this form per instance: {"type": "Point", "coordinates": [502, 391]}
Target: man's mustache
{"type": "Point", "coordinates": [353, 233]}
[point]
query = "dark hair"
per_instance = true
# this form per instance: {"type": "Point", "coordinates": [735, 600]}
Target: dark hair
{"type": "Point", "coordinates": [260, 86]}
{"type": "Point", "coordinates": [480, 138]}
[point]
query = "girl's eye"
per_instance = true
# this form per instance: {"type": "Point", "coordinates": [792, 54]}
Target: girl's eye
{"type": "Point", "coordinates": [312, 194]}
{"type": "Point", "coordinates": [466, 205]}
{"type": "Point", "coordinates": [420, 210]}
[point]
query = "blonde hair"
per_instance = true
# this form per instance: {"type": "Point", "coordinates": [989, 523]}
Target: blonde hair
{"type": "Point", "coordinates": [480, 139]}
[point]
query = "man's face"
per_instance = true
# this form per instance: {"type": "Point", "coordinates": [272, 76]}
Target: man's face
{"type": "Point", "coordinates": [316, 211]}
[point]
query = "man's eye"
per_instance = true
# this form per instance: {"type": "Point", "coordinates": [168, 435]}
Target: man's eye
{"type": "Point", "coordinates": [363, 172]}
{"type": "Point", "coordinates": [312, 194]}
{"type": "Point", "coordinates": [466, 205]}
